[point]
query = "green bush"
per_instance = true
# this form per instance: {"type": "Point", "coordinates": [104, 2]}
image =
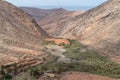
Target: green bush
{"type": "Point", "coordinates": [48, 42]}
{"type": "Point", "coordinates": [36, 72]}
{"type": "Point", "coordinates": [7, 77]}
{"type": "Point", "coordinates": [62, 44]}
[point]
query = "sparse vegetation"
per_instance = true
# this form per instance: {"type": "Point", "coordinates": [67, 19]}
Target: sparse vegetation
{"type": "Point", "coordinates": [82, 60]}
{"type": "Point", "coordinates": [24, 76]}
{"type": "Point", "coordinates": [48, 42]}
{"type": "Point", "coordinates": [7, 77]}
{"type": "Point", "coordinates": [36, 72]}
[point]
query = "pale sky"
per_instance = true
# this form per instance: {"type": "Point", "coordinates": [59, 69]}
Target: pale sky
{"type": "Point", "coordinates": [33, 3]}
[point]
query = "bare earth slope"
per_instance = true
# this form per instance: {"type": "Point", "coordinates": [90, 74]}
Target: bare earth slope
{"type": "Point", "coordinates": [19, 33]}
{"type": "Point", "coordinates": [51, 20]}
{"type": "Point", "coordinates": [37, 13]}
{"type": "Point", "coordinates": [98, 27]}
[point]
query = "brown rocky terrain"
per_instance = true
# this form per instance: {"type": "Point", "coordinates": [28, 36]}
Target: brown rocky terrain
{"type": "Point", "coordinates": [19, 33]}
{"type": "Point", "coordinates": [21, 36]}
{"type": "Point", "coordinates": [98, 27]}
{"type": "Point", "coordinates": [51, 20]}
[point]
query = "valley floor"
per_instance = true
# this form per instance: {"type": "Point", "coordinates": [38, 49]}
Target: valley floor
{"type": "Point", "coordinates": [70, 61]}
{"type": "Point", "coordinates": [78, 76]}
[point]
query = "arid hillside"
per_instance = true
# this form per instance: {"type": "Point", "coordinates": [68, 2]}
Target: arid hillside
{"type": "Point", "coordinates": [19, 33]}
{"type": "Point", "coordinates": [51, 20]}
{"type": "Point", "coordinates": [98, 27]}
{"type": "Point", "coordinates": [37, 13]}
{"type": "Point", "coordinates": [28, 52]}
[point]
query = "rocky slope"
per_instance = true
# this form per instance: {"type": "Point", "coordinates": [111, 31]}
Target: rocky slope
{"type": "Point", "coordinates": [98, 27]}
{"type": "Point", "coordinates": [37, 13]}
{"type": "Point", "coordinates": [19, 33]}
{"type": "Point", "coordinates": [51, 20]}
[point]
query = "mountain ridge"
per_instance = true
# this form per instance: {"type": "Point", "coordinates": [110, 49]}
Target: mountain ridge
{"type": "Point", "coordinates": [53, 19]}
{"type": "Point", "coordinates": [98, 27]}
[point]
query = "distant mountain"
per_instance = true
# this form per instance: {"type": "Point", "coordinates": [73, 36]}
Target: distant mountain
{"type": "Point", "coordinates": [98, 27]}
{"type": "Point", "coordinates": [51, 20]}
{"type": "Point", "coordinates": [19, 33]}
{"type": "Point", "coordinates": [37, 13]}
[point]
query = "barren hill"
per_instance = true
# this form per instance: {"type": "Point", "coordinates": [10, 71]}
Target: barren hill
{"type": "Point", "coordinates": [37, 13]}
{"type": "Point", "coordinates": [98, 27]}
{"type": "Point", "coordinates": [51, 20]}
{"type": "Point", "coordinates": [19, 33]}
